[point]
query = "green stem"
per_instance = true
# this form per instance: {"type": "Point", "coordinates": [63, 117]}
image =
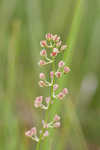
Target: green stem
{"type": "Point", "coordinates": [51, 96]}
{"type": "Point", "coordinates": [38, 146]}
{"type": "Point", "coordinates": [51, 90]}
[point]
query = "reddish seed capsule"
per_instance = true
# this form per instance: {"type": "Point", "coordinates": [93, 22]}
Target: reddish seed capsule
{"type": "Point", "coordinates": [54, 54]}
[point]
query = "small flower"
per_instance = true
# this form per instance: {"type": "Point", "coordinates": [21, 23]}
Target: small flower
{"type": "Point", "coordinates": [28, 133]}
{"type": "Point", "coordinates": [56, 38]}
{"type": "Point", "coordinates": [58, 74]}
{"type": "Point", "coordinates": [56, 118]}
{"type": "Point", "coordinates": [45, 125]}
{"type": "Point", "coordinates": [65, 91]}
{"type": "Point", "coordinates": [31, 132]}
{"type": "Point", "coordinates": [42, 76]}
{"type": "Point", "coordinates": [51, 74]}
{"type": "Point", "coordinates": [48, 36]}
{"type": "Point", "coordinates": [55, 87]}
{"type": "Point", "coordinates": [34, 131]}
{"type": "Point", "coordinates": [66, 69]}
{"type": "Point", "coordinates": [63, 47]}
{"type": "Point", "coordinates": [46, 133]}
{"type": "Point", "coordinates": [42, 83]}
{"type": "Point", "coordinates": [61, 64]}
{"type": "Point", "coordinates": [38, 101]}
{"type": "Point", "coordinates": [43, 43]}
{"type": "Point", "coordinates": [47, 99]}
{"type": "Point", "coordinates": [60, 95]}
{"type": "Point", "coordinates": [42, 62]}
{"type": "Point", "coordinates": [43, 53]}
{"type": "Point", "coordinates": [57, 124]}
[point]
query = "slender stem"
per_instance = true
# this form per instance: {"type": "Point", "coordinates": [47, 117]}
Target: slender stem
{"type": "Point", "coordinates": [38, 146]}
{"type": "Point", "coordinates": [51, 95]}
{"type": "Point", "coordinates": [51, 91]}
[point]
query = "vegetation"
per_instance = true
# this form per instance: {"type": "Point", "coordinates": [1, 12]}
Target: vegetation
{"type": "Point", "coordinates": [22, 25]}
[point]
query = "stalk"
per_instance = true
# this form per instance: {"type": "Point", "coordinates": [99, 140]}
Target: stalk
{"type": "Point", "coordinates": [51, 97]}
{"type": "Point", "coordinates": [53, 43]}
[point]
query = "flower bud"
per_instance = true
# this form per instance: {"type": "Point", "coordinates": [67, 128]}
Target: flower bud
{"type": "Point", "coordinates": [51, 74]}
{"type": "Point", "coordinates": [34, 131]}
{"type": "Point", "coordinates": [38, 101]}
{"type": "Point", "coordinates": [54, 54]}
{"type": "Point", "coordinates": [43, 53]}
{"type": "Point", "coordinates": [56, 38]}
{"type": "Point", "coordinates": [55, 87]}
{"type": "Point", "coordinates": [31, 132]}
{"type": "Point", "coordinates": [42, 83]}
{"type": "Point", "coordinates": [65, 91]}
{"type": "Point", "coordinates": [43, 43]}
{"type": "Point", "coordinates": [56, 118]}
{"type": "Point", "coordinates": [46, 133]}
{"type": "Point", "coordinates": [66, 69]}
{"type": "Point", "coordinates": [58, 74]}
{"type": "Point", "coordinates": [42, 76]}
{"type": "Point", "coordinates": [61, 64]}
{"type": "Point", "coordinates": [48, 36]}
{"type": "Point", "coordinates": [42, 62]}
{"type": "Point", "coordinates": [60, 95]}
{"type": "Point", "coordinates": [28, 133]}
{"type": "Point", "coordinates": [57, 124]}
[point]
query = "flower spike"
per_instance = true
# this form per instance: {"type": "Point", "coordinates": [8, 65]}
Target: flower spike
{"type": "Point", "coordinates": [51, 48]}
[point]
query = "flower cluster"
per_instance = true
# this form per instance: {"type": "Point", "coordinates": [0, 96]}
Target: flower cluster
{"type": "Point", "coordinates": [54, 45]}
{"type": "Point", "coordinates": [32, 133]}
{"type": "Point", "coordinates": [51, 48]}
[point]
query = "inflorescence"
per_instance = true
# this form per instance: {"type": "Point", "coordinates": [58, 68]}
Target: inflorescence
{"type": "Point", "coordinates": [53, 46]}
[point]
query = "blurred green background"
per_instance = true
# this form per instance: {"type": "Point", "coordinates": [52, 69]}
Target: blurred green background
{"type": "Point", "coordinates": [23, 23]}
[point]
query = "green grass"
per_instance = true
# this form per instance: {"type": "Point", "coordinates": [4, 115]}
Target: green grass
{"type": "Point", "coordinates": [22, 25]}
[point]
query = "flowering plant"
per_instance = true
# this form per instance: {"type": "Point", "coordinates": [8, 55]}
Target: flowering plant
{"type": "Point", "coordinates": [53, 47]}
